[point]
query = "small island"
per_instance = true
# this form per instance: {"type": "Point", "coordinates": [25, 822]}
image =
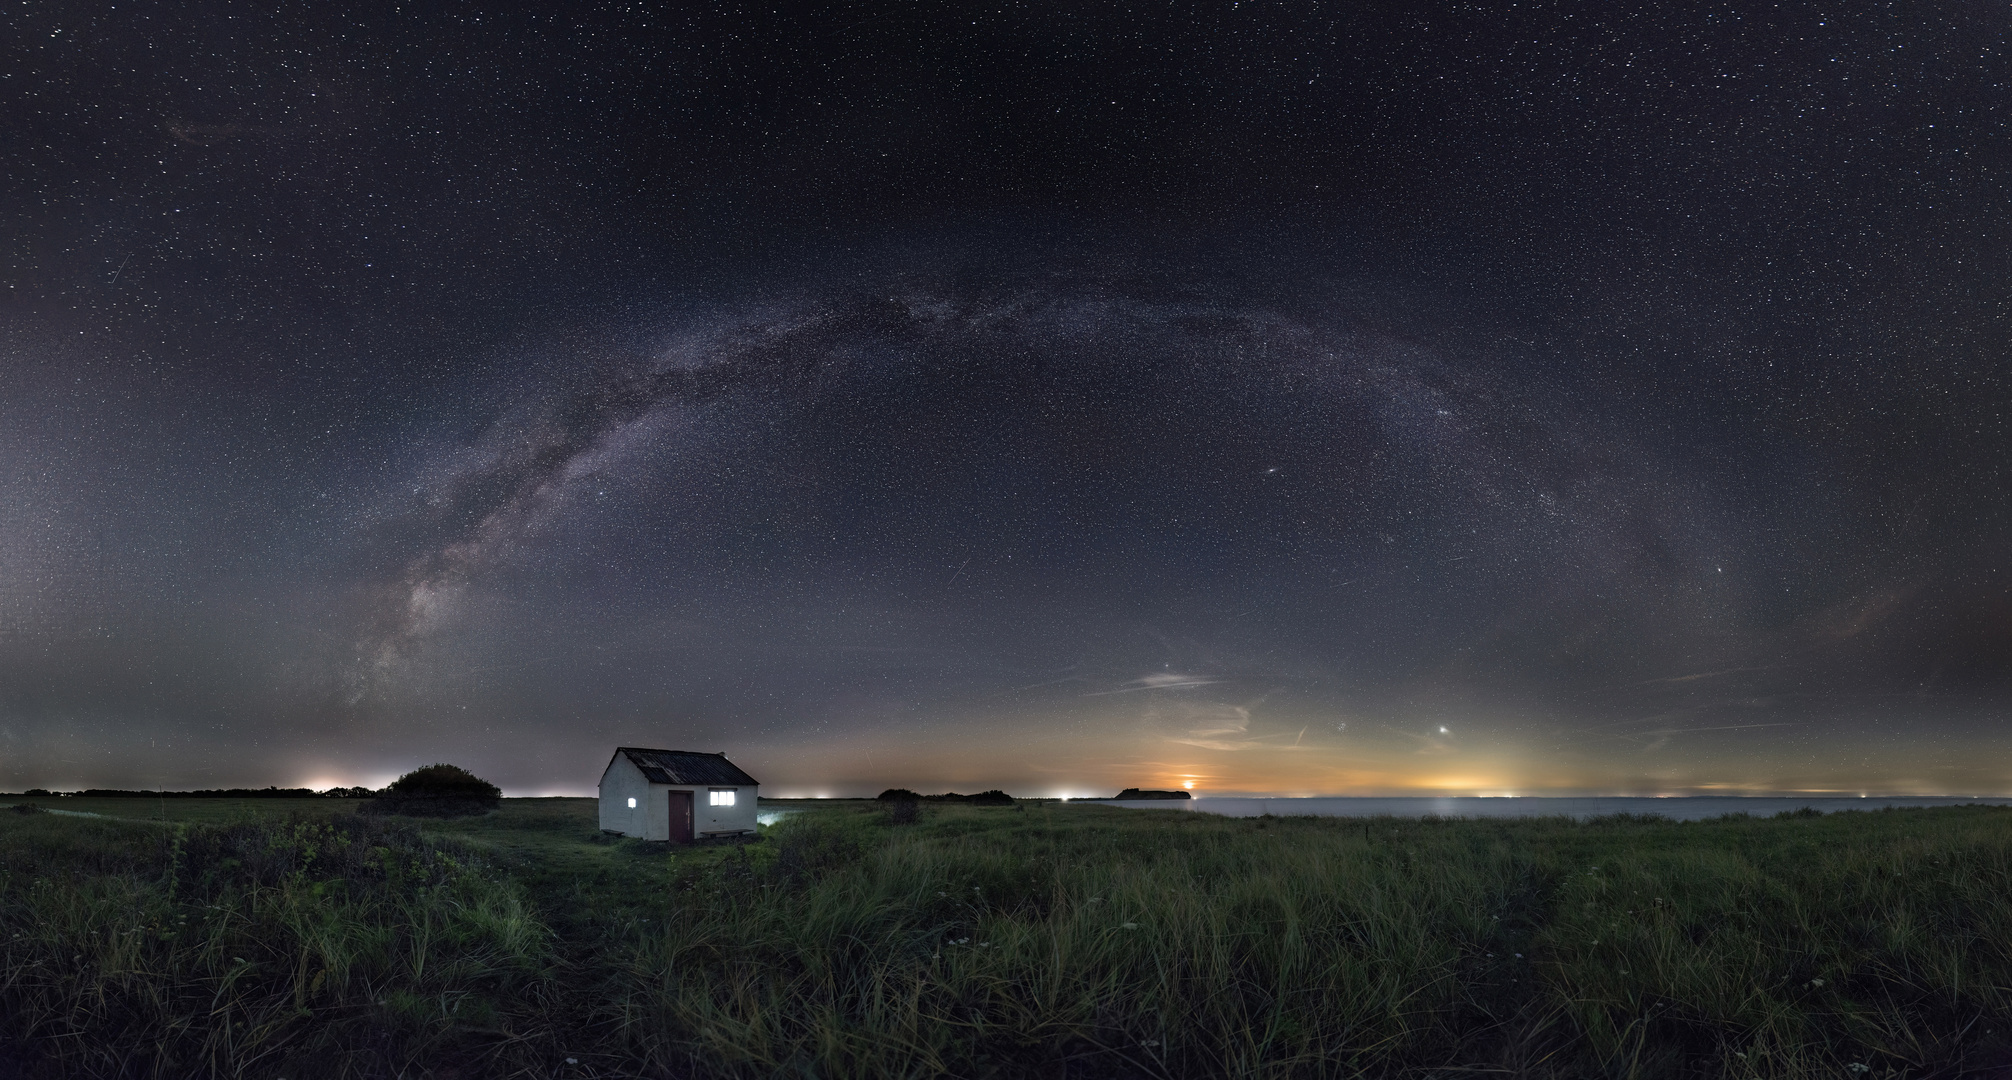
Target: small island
{"type": "Point", "coordinates": [1139, 793]}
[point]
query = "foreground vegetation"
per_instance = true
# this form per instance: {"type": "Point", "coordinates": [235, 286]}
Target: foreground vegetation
{"type": "Point", "coordinates": [1010, 941]}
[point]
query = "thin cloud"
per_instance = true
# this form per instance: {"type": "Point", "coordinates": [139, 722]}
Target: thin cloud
{"type": "Point", "coordinates": [1162, 680]}
{"type": "Point", "coordinates": [1666, 732]}
{"type": "Point", "coordinates": [1227, 727]}
{"type": "Point", "coordinates": [1702, 675]}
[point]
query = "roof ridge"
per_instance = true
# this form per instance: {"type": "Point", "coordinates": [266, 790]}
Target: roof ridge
{"type": "Point", "coordinates": [681, 767]}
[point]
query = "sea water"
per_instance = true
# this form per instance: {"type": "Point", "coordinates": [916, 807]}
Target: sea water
{"type": "Point", "coordinates": [1692, 808]}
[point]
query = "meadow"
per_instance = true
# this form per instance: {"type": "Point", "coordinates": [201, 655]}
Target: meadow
{"type": "Point", "coordinates": [281, 938]}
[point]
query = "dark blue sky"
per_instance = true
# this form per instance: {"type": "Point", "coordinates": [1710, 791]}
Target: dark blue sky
{"type": "Point", "coordinates": [1297, 398]}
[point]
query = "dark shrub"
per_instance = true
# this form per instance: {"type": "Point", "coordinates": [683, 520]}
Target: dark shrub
{"type": "Point", "coordinates": [995, 797]}
{"type": "Point", "coordinates": [904, 812]}
{"type": "Point", "coordinates": [436, 791]}
{"type": "Point", "coordinates": [898, 794]}
{"type": "Point", "coordinates": [25, 808]}
{"type": "Point", "coordinates": [209, 859]}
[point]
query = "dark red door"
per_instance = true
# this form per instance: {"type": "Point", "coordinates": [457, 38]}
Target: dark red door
{"type": "Point", "coordinates": [681, 817]}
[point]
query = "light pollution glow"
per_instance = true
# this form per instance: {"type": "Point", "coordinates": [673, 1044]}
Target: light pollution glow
{"type": "Point", "coordinates": [1390, 766]}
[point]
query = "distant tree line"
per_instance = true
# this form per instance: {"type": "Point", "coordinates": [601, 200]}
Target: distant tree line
{"type": "Point", "coordinates": [995, 797]}
{"type": "Point", "coordinates": [1000, 798]}
{"type": "Point", "coordinates": [434, 791]}
{"type": "Point", "coordinates": [212, 793]}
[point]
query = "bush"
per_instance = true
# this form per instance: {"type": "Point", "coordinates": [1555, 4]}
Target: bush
{"type": "Point", "coordinates": [437, 791]}
{"type": "Point", "coordinates": [898, 794]}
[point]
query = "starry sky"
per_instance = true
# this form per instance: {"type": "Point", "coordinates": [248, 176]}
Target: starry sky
{"type": "Point", "coordinates": [1309, 398]}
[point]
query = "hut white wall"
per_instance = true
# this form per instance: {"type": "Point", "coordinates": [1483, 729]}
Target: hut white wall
{"type": "Point", "coordinates": [651, 819]}
{"type": "Point", "coordinates": [740, 817]}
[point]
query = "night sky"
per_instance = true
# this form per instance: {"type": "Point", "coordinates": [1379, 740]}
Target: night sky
{"type": "Point", "coordinates": [1299, 398]}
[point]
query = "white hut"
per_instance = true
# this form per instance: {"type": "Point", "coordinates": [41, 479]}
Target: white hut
{"type": "Point", "coordinates": [676, 795]}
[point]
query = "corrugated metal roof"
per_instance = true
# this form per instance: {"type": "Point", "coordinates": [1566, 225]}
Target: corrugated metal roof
{"type": "Point", "coordinates": [686, 767]}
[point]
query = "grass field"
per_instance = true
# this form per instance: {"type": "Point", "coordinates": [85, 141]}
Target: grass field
{"type": "Point", "coordinates": [183, 809]}
{"type": "Point", "coordinates": [279, 938]}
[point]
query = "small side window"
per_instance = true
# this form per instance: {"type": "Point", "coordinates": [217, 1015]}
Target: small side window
{"type": "Point", "coordinates": [632, 802]}
{"type": "Point", "coordinates": [723, 798]}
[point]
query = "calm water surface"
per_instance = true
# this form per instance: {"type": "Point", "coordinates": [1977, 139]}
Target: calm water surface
{"type": "Point", "coordinates": [1677, 809]}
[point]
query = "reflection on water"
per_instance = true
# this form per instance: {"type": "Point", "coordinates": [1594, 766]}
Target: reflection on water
{"type": "Point", "coordinates": [1677, 809]}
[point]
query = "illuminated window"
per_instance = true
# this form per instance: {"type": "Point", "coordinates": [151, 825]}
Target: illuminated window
{"type": "Point", "coordinates": [632, 804]}
{"type": "Point", "coordinates": [723, 798]}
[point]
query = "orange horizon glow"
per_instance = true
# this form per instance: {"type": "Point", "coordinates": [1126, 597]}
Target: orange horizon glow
{"type": "Point", "coordinates": [1388, 767]}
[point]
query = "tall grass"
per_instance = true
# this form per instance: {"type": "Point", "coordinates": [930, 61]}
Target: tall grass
{"type": "Point", "coordinates": [1044, 941]}
{"type": "Point", "coordinates": [267, 948]}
